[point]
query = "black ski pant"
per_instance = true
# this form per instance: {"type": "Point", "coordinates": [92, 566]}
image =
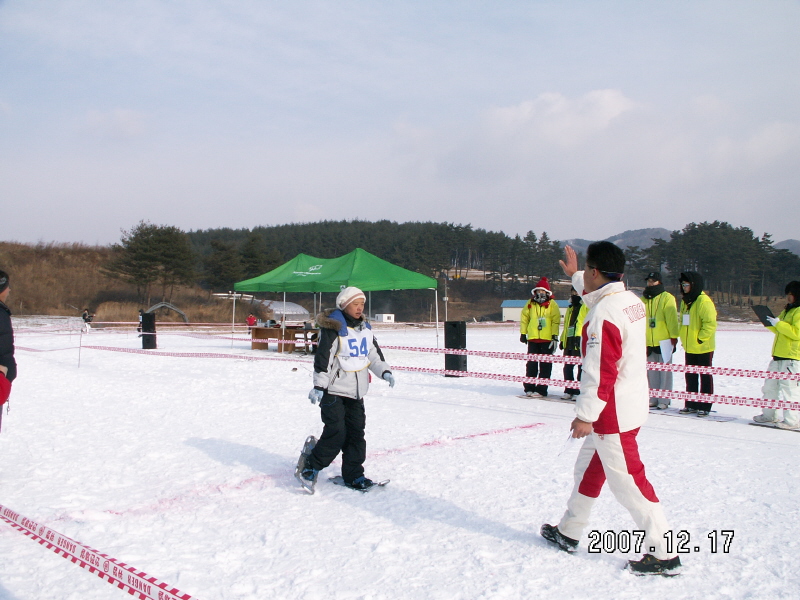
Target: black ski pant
{"type": "Point", "coordinates": [706, 381]}
{"type": "Point", "coordinates": [569, 372]}
{"type": "Point", "coordinates": [344, 420]}
{"type": "Point", "coordinates": [538, 369]}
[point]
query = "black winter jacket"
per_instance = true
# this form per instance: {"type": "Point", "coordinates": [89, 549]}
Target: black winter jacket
{"type": "Point", "coordinates": [7, 342]}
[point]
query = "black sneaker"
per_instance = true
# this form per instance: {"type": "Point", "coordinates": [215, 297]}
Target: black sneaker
{"type": "Point", "coordinates": [684, 411]}
{"type": "Point", "coordinates": [553, 535]}
{"type": "Point", "coordinates": [361, 483]}
{"type": "Point", "coordinates": [702, 413]}
{"type": "Point", "coordinates": [650, 565]}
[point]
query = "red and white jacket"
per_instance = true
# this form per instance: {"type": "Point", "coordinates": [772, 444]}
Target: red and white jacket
{"type": "Point", "coordinates": [614, 392]}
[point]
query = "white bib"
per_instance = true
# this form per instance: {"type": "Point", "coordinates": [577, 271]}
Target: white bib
{"type": "Point", "coordinates": [353, 351]}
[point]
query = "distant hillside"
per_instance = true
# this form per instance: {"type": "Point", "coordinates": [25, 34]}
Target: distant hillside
{"type": "Point", "coordinates": [633, 237]}
{"type": "Point", "coordinates": [790, 245]}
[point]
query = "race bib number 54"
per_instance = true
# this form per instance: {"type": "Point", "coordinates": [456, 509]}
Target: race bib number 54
{"type": "Point", "coordinates": [357, 349]}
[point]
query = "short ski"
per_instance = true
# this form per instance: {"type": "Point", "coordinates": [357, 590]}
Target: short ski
{"type": "Point", "coordinates": [308, 446]}
{"type": "Point", "coordinates": [675, 412]}
{"type": "Point", "coordinates": [773, 426]}
{"type": "Point", "coordinates": [547, 399]}
{"type": "Point", "coordinates": [339, 480]}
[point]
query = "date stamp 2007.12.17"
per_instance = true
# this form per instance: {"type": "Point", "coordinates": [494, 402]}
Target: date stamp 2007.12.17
{"type": "Point", "coordinates": [679, 542]}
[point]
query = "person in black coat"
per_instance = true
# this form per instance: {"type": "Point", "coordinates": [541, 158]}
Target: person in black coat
{"type": "Point", "coordinates": [8, 366]}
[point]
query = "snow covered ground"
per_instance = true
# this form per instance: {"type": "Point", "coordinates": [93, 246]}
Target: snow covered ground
{"type": "Point", "coordinates": [183, 468]}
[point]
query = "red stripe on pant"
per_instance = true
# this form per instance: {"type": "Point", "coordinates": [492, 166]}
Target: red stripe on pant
{"type": "Point", "coordinates": [594, 477]}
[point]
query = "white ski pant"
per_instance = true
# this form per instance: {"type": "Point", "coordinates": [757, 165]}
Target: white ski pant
{"type": "Point", "coordinates": [659, 380]}
{"type": "Point", "coordinates": [615, 457]}
{"type": "Point", "coordinates": [782, 389]}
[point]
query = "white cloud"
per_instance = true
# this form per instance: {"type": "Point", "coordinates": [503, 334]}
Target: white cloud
{"type": "Point", "coordinates": [765, 146]}
{"type": "Point", "coordinates": [554, 118]}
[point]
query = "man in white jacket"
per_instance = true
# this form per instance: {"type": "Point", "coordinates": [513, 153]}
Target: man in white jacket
{"type": "Point", "coordinates": [612, 406]}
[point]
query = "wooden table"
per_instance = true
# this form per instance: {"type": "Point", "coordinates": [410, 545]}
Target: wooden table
{"type": "Point", "coordinates": [290, 334]}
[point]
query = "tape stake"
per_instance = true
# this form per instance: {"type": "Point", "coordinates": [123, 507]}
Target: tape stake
{"type": "Point", "coordinates": [137, 583]}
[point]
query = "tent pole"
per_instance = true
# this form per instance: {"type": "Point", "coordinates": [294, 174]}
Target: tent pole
{"type": "Point", "coordinates": [436, 300]}
{"type": "Point", "coordinates": [369, 308]}
{"type": "Point", "coordinates": [233, 318]}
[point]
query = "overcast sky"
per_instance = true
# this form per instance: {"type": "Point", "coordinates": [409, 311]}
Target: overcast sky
{"type": "Point", "coordinates": [582, 119]}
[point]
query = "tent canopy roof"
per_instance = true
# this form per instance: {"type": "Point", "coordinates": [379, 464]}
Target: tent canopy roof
{"type": "Point", "coordinates": [359, 268]}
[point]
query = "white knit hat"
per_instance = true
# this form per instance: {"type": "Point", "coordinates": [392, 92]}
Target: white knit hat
{"type": "Point", "coordinates": [347, 295]}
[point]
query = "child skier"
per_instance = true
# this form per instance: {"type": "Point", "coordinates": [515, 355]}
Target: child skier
{"type": "Point", "coordinates": [345, 351]}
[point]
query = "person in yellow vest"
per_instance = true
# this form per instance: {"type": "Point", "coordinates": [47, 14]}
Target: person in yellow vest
{"type": "Point", "coordinates": [785, 359]}
{"type": "Point", "coordinates": [571, 340]}
{"type": "Point", "coordinates": [538, 327]}
{"type": "Point", "coordinates": [698, 322]}
{"type": "Point", "coordinates": [661, 310]}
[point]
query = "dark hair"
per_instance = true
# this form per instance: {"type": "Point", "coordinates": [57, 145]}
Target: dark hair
{"type": "Point", "coordinates": [793, 288]}
{"type": "Point", "coordinates": [3, 281]}
{"type": "Point", "coordinates": [607, 258]}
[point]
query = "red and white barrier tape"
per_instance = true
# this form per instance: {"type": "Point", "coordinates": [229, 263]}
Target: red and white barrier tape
{"type": "Point", "coordinates": [191, 354]}
{"type": "Point", "coordinates": [723, 371]}
{"type": "Point", "coordinates": [551, 358]}
{"type": "Point", "coordinates": [511, 355]}
{"type": "Point", "coordinates": [734, 400]}
{"type": "Point", "coordinates": [577, 360]}
{"type": "Point", "coordinates": [241, 339]}
{"type": "Point", "coordinates": [48, 350]}
{"type": "Point", "coordinates": [136, 583]}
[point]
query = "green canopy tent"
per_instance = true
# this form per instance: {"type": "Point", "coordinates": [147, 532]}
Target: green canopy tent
{"type": "Point", "coordinates": [359, 268]}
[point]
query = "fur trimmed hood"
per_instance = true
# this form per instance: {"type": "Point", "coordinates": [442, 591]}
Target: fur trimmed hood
{"type": "Point", "coordinates": [325, 321]}
{"type": "Point", "coordinates": [334, 318]}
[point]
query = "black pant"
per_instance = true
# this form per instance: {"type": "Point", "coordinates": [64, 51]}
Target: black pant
{"type": "Point", "coordinates": [706, 381]}
{"type": "Point", "coordinates": [538, 369]}
{"type": "Point", "coordinates": [569, 370]}
{"type": "Point", "coordinates": [344, 420]}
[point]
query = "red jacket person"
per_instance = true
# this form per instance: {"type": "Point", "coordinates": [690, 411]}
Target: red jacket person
{"type": "Point", "coordinates": [611, 408]}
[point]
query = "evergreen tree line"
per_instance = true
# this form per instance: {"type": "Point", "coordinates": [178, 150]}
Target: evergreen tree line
{"type": "Point", "coordinates": [155, 258]}
{"type": "Point", "coordinates": [732, 260]}
{"type": "Point", "coordinates": [429, 248]}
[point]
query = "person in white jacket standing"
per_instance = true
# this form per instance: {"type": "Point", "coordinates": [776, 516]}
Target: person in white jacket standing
{"type": "Point", "coordinates": [612, 406]}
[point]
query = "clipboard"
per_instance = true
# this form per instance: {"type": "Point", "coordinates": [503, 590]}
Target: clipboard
{"type": "Point", "coordinates": [762, 312]}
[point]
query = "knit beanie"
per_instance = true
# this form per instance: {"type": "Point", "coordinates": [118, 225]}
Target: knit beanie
{"type": "Point", "coordinates": [3, 281]}
{"type": "Point", "coordinates": [542, 285]}
{"type": "Point", "coordinates": [347, 295]}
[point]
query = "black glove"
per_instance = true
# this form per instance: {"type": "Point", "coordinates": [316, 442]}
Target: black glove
{"type": "Point", "coordinates": [523, 338]}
